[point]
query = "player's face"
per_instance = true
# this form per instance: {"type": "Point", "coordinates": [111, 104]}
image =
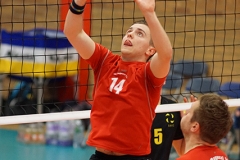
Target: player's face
{"type": "Point", "coordinates": [186, 119]}
{"type": "Point", "coordinates": [136, 42]}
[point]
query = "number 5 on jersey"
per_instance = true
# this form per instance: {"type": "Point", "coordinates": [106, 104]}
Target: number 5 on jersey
{"type": "Point", "coordinates": [158, 136]}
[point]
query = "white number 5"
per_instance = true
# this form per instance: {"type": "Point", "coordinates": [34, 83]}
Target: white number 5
{"type": "Point", "coordinates": [117, 87]}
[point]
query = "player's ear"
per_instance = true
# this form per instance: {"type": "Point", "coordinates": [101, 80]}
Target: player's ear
{"type": "Point", "coordinates": [195, 127]}
{"type": "Point", "coordinates": [151, 51]}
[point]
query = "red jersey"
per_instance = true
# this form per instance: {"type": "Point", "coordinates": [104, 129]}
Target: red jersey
{"type": "Point", "coordinates": [124, 100]}
{"type": "Point", "coordinates": [204, 153]}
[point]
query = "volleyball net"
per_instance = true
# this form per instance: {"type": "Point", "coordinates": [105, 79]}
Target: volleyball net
{"type": "Point", "coordinates": [41, 73]}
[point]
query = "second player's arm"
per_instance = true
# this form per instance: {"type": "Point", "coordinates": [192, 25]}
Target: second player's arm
{"type": "Point", "coordinates": [179, 146]}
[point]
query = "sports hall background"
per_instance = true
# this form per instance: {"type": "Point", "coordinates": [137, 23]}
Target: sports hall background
{"type": "Point", "coordinates": [202, 30]}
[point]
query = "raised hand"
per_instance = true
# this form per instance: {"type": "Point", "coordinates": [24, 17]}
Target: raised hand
{"type": "Point", "coordinates": [192, 99]}
{"type": "Point", "coordinates": [146, 5]}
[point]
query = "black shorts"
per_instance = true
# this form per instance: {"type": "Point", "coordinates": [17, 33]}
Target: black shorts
{"type": "Point", "coordinates": [101, 156]}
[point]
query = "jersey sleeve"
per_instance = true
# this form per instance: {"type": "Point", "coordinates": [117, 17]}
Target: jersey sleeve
{"type": "Point", "coordinates": [99, 54]}
{"type": "Point", "coordinates": [156, 82]}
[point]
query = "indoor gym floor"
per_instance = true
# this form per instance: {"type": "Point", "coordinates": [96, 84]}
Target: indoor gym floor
{"type": "Point", "coordinates": [12, 149]}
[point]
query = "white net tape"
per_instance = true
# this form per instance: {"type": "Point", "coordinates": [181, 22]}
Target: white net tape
{"type": "Point", "coordinates": [86, 114]}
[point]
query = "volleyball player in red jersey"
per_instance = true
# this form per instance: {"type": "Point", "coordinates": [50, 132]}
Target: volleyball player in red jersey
{"type": "Point", "coordinates": [203, 126]}
{"type": "Point", "coordinates": [126, 87]}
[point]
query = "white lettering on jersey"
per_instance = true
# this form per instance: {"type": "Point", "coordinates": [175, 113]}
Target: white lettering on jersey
{"type": "Point", "coordinates": [120, 74]}
{"type": "Point", "coordinates": [219, 158]}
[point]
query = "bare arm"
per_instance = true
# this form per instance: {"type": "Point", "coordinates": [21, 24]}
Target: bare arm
{"type": "Point", "coordinates": [73, 29]}
{"type": "Point", "coordinates": [179, 146]}
{"type": "Point", "coordinates": [160, 62]}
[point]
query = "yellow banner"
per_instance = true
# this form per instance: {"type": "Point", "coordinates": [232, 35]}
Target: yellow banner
{"type": "Point", "coordinates": [31, 69]}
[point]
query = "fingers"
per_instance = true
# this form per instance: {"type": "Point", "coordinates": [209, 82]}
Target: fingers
{"type": "Point", "coordinates": [146, 5]}
{"type": "Point", "coordinates": [192, 99]}
{"type": "Point", "coordinates": [185, 99]}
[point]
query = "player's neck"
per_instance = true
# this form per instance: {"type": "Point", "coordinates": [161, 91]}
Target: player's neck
{"type": "Point", "coordinates": [132, 58]}
{"type": "Point", "coordinates": [193, 142]}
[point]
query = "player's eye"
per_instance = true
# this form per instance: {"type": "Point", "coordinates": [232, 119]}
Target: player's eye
{"type": "Point", "coordinates": [140, 34]}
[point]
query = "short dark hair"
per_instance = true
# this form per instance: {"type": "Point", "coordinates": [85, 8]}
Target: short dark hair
{"type": "Point", "coordinates": [213, 117]}
{"type": "Point", "coordinates": [141, 22]}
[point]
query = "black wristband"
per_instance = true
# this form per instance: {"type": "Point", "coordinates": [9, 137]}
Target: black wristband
{"type": "Point", "coordinates": [76, 9]}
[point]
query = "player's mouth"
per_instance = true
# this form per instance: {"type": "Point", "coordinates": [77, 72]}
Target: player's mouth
{"type": "Point", "coordinates": [128, 43]}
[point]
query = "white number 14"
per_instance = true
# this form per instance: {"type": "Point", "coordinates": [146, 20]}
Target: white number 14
{"type": "Point", "coordinates": [117, 87]}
